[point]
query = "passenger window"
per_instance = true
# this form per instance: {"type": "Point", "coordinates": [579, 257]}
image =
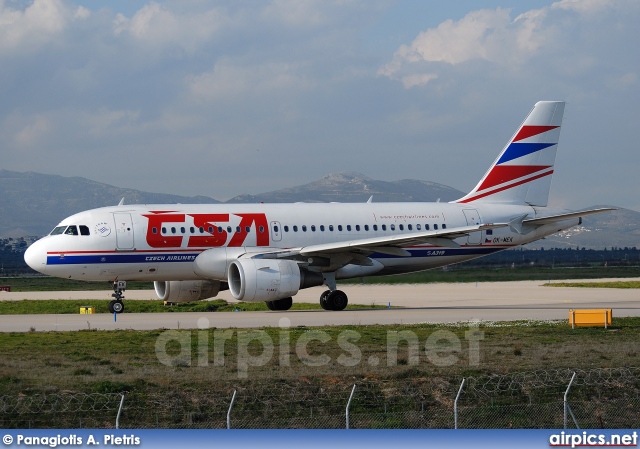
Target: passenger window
{"type": "Point", "coordinates": [418, 227]}
{"type": "Point", "coordinates": [444, 226]}
{"type": "Point", "coordinates": [295, 228]}
{"type": "Point", "coordinates": [322, 228]}
{"type": "Point", "coordinates": [247, 229]}
{"type": "Point", "coordinates": [182, 230]}
{"type": "Point", "coordinates": [339, 227]}
{"type": "Point", "coordinates": [331, 228]}
{"type": "Point", "coordinates": [154, 230]}
{"type": "Point", "coordinates": [164, 230]}
{"type": "Point", "coordinates": [409, 227]}
{"type": "Point", "coordinates": [349, 228]}
{"type": "Point", "coordinates": [262, 229]}
{"type": "Point", "coordinates": [173, 230]}
{"type": "Point", "coordinates": [238, 229]}
{"type": "Point", "coordinates": [366, 227]}
{"type": "Point", "coordinates": [201, 230]}
{"type": "Point", "coordinates": [219, 230]}
{"type": "Point", "coordinates": [426, 227]}
{"type": "Point", "coordinates": [393, 227]}
{"type": "Point", "coordinates": [71, 230]}
{"type": "Point", "coordinates": [304, 228]}
{"type": "Point", "coordinates": [384, 227]}
{"type": "Point", "coordinates": [401, 227]}
{"type": "Point", "coordinates": [313, 228]}
{"type": "Point", "coordinates": [357, 227]}
{"type": "Point", "coordinates": [286, 228]}
{"type": "Point", "coordinates": [375, 227]}
{"type": "Point", "coordinates": [435, 227]}
{"type": "Point", "coordinates": [192, 230]}
{"type": "Point", "coordinates": [229, 229]}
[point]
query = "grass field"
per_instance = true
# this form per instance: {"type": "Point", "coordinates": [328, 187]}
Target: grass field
{"type": "Point", "coordinates": [438, 275]}
{"type": "Point", "coordinates": [102, 361]}
{"type": "Point", "coordinates": [618, 284]}
{"type": "Point", "coordinates": [65, 306]}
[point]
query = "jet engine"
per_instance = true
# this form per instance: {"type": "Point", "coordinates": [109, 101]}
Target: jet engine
{"type": "Point", "coordinates": [257, 280]}
{"type": "Point", "coordinates": [186, 291]}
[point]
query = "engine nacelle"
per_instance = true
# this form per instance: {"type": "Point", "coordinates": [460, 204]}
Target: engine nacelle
{"type": "Point", "coordinates": [186, 291]}
{"type": "Point", "coordinates": [257, 280]}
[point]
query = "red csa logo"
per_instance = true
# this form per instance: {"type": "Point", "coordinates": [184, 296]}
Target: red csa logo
{"type": "Point", "coordinates": [214, 235]}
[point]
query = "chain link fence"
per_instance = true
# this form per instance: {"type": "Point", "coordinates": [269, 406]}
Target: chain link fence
{"type": "Point", "coordinates": [598, 398]}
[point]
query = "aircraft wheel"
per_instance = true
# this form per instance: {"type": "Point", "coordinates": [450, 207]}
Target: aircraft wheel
{"type": "Point", "coordinates": [280, 304]}
{"type": "Point", "coordinates": [116, 306]}
{"type": "Point", "coordinates": [337, 300]}
{"type": "Point", "coordinates": [323, 300]}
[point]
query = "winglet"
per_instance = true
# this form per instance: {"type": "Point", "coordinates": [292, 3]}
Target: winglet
{"type": "Point", "coordinates": [370, 200]}
{"type": "Point", "coordinates": [121, 202]}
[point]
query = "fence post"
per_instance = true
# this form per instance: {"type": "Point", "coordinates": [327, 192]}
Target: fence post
{"type": "Point", "coordinates": [233, 399]}
{"type": "Point", "coordinates": [119, 412]}
{"type": "Point", "coordinates": [353, 390]}
{"type": "Point", "coordinates": [455, 406]}
{"type": "Point", "coordinates": [566, 403]}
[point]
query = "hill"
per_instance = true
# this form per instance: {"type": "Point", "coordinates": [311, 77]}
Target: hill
{"type": "Point", "coordinates": [33, 203]}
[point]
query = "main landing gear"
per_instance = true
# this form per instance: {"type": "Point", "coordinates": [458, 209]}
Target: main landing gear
{"type": "Point", "coordinates": [334, 300]}
{"type": "Point", "coordinates": [117, 306]}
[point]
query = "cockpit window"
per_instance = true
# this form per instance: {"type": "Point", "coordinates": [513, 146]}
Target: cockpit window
{"type": "Point", "coordinates": [84, 230]}
{"type": "Point", "coordinates": [58, 230]}
{"type": "Point", "coordinates": [71, 230]}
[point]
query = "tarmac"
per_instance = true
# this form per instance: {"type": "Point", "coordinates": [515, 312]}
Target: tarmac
{"type": "Point", "coordinates": [404, 304]}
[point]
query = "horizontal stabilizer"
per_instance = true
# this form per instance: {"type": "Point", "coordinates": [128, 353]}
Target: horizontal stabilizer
{"type": "Point", "coordinates": [568, 216]}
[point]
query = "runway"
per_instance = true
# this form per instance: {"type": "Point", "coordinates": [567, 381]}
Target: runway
{"type": "Point", "coordinates": [410, 304]}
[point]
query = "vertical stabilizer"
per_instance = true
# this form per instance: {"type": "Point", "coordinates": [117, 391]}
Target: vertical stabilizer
{"type": "Point", "coordinates": [522, 172]}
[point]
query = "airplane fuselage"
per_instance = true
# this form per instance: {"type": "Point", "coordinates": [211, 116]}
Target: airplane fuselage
{"type": "Point", "coordinates": [160, 243]}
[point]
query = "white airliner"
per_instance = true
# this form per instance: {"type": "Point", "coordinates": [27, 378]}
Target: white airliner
{"type": "Point", "coordinates": [268, 252]}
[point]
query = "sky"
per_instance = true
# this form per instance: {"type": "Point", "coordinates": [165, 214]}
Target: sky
{"type": "Point", "coordinates": [222, 98]}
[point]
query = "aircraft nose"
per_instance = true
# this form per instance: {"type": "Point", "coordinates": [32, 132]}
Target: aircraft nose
{"type": "Point", "coordinates": [36, 256]}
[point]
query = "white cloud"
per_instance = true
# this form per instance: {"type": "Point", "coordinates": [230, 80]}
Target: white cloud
{"type": "Point", "coordinates": [37, 24]}
{"type": "Point", "coordinates": [492, 36]}
{"type": "Point", "coordinates": [229, 80]}
{"type": "Point", "coordinates": [157, 26]}
{"type": "Point", "coordinates": [34, 132]}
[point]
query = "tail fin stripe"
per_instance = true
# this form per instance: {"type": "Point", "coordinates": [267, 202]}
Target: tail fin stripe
{"type": "Point", "coordinates": [502, 174]}
{"type": "Point", "coordinates": [524, 181]}
{"type": "Point", "coordinates": [532, 130]}
{"type": "Point", "coordinates": [516, 150]}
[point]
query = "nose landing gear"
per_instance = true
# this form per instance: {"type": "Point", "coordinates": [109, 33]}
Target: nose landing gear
{"type": "Point", "coordinates": [117, 306]}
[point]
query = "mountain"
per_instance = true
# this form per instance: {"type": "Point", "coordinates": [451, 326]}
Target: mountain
{"type": "Point", "coordinates": [351, 187]}
{"type": "Point", "coordinates": [32, 203]}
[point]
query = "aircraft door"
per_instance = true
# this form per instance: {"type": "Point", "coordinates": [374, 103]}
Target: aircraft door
{"type": "Point", "coordinates": [473, 218]}
{"type": "Point", "coordinates": [276, 231]}
{"type": "Point", "coordinates": [124, 230]}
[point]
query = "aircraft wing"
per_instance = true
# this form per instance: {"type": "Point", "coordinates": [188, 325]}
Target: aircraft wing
{"type": "Point", "coordinates": [391, 244]}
